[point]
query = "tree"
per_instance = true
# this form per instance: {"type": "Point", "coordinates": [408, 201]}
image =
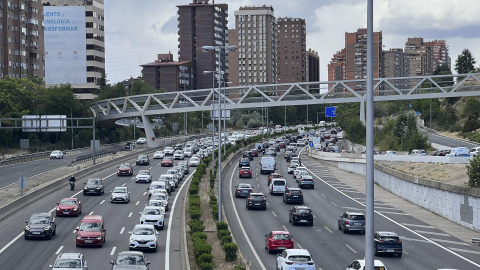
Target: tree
{"type": "Point", "coordinates": [473, 172]}
{"type": "Point", "coordinates": [471, 111]}
{"type": "Point", "coordinates": [465, 62]}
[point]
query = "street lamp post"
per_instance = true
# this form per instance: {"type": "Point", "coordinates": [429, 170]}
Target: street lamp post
{"type": "Point", "coordinates": [213, 119]}
{"type": "Point", "coordinates": [219, 48]}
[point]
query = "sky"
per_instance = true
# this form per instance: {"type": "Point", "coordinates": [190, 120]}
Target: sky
{"type": "Point", "coordinates": [137, 30]}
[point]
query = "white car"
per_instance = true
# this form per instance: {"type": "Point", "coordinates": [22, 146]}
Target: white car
{"type": "Point", "coordinates": [159, 154]}
{"type": "Point", "coordinates": [152, 215]}
{"type": "Point", "coordinates": [194, 162]}
{"type": "Point", "coordinates": [293, 259]}
{"type": "Point", "coordinates": [187, 151]}
{"type": "Point", "coordinates": [300, 175]}
{"type": "Point", "coordinates": [142, 141]}
{"type": "Point", "coordinates": [169, 150]}
{"type": "Point", "coordinates": [120, 194]}
{"type": "Point", "coordinates": [297, 171]}
{"type": "Point", "coordinates": [360, 264]}
{"type": "Point", "coordinates": [143, 237]}
{"type": "Point", "coordinates": [73, 261]}
{"type": "Point", "coordinates": [143, 176]}
{"type": "Point", "coordinates": [178, 154]}
{"type": "Point", "coordinates": [291, 168]}
{"type": "Point", "coordinates": [158, 203]}
{"type": "Point", "coordinates": [56, 154]}
{"type": "Point", "coordinates": [161, 195]}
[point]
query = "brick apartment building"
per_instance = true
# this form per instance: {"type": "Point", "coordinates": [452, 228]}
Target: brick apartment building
{"type": "Point", "coordinates": [167, 74]}
{"type": "Point", "coordinates": [291, 50]}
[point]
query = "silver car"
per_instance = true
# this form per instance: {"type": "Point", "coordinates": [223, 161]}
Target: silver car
{"type": "Point", "coordinates": [120, 194]}
{"type": "Point", "coordinates": [73, 261]}
{"type": "Point", "coordinates": [352, 221]}
{"type": "Point", "coordinates": [143, 237]}
{"type": "Point", "coordinates": [152, 215]}
{"type": "Point", "coordinates": [159, 154]}
{"type": "Point", "coordinates": [161, 196]}
{"type": "Point", "coordinates": [158, 203]}
{"type": "Point", "coordinates": [143, 176]}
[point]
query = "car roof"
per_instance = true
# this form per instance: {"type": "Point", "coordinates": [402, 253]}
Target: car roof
{"type": "Point", "coordinates": [151, 207]}
{"type": "Point", "coordinates": [243, 168]}
{"type": "Point", "coordinates": [91, 218]}
{"type": "Point", "coordinates": [42, 214]}
{"type": "Point", "coordinates": [387, 233]}
{"type": "Point", "coordinates": [144, 226]}
{"type": "Point", "coordinates": [257, 194]}
{"type": "Point", "coordinates": [71, 199]}
{"type": "Point", "coordinates": [354, 213]}
{"type": "Point", "coordinates": [280, 232]}
{"type": "Point", "coordinates": [294, 188]}
{"type": "Point", "coordinates": [131, 252]}
{"type": "Point", "coordinates": [297, 251]}
{"type": "Point", "coordinates": [302, 207]}
{"type": "Point", "coordinates": [375, 262]}
{"type": "Point", "coordinates": [71, 255]}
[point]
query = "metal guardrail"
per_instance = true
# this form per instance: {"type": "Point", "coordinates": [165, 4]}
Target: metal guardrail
{"type": "Point", "coordinates": [98, 154]}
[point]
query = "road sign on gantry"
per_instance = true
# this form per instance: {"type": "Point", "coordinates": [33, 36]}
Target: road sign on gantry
{"type": "Point", "coordinates": [331, 111]}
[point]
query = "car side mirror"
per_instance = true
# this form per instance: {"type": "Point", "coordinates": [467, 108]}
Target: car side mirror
{"type": "Point", "coordinates": [148, 262]}
{"type": "Point", "coordinates": [129, 192]}
{"type": "Point", "coordinates": [111, 191]}
{"type": "Point", "coordinates": [266, 235]}
{"type": "Point", "coordinates": [51, 266]}
{"type": "Point", "coordinates": [157, 233]}
{"type": "Point", "coordinates": [58, 203]}
{"type": "Point", "coordinates": [111, 262]}
{"type": "Point", "coordinates": [76, 229]}
{"type": "Point", "coordinates": [104, 230]}
{"type": "Point", "coordinates": [279, 254]}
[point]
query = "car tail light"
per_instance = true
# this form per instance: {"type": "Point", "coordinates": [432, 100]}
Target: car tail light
{"type": "Point", "coordinates": [346, 222]}
{"type": "Point", "coordinates": [289, 263]}
{"type": "Point", "coordinates": [250, 190]}
{"type": "Point", "coordinates": [399, 242]}
{"type": "Point", "coordinates": [310, 263]}
{"type": "Point", "coordinates": [239, 190]}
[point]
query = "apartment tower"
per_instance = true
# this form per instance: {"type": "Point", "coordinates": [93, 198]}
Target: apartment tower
{"type": "Point", "coordinates": [440, 53]}
{"type": "Point", "coordinates": [420, 56]}
{"type": "Point", "coordinates": [313, 66]}
{"type": "Point", "coordinates": [255, 34]}
{"type": "Point", "coordinates": [203, 24]}
{"type": "Point", "coordinates": [396, 64]}
{"type": "Point", "coordinates": [21, 35]}
{"type": "Point", "coordinates": [291, 50]}
{"type": "Point", "coordinates": [356, 54]}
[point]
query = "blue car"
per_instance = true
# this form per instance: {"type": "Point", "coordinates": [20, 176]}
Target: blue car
{"type": "Point", "coordinates": [244, 162]}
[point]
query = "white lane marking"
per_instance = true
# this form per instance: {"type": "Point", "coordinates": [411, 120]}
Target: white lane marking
{"type": "Point", "coordinates": [11, 242]}
{"type": "Point", "coordinates": [144, 193]}
{"type": "Point", "coordinates": [464, 250]}
{"type": "Point", "coordinates": [130, 215]}
{"type": "Point", "coordinates": [334, 203]}
{"type": "Point", "coordinates": [59, 249]}
{"type": "Point", "coordinates": [74, 231]}
{"type": "Point", "coordinates": [353, 250]}
{"type": "Point", "coordinates": [399, 224]}
{"type": "Point", "coordinates": [450, 242]}
{"type": "Point", "coordinates": [285, 228]}
{"type": "Point", "coordinates": [121, 231]}
{"type": "Point", "coordinates": [393, 213]}
{"type": "Point", "coordinates": [323, 195]}
{"type": "Point", "coordinates": [328, 229]}
{"type": "Point", "coordinates": [299, 246]}
{"type": "Point", "coordinates": [169, 229]}
{"type": "Point", "coordinates": [113, 251]}
{"type": "Point", "coordinates": [386, 207]}
{"type": "Point", "coordinates": [434, 233]}
{"type": "Point", "coordinates": [137, 202]}
{"type": "Point", "coordinates": [404, 238]}
{"type": "Point", "coordinates": [416, 225]}
{"type": "Point", "coordinates": [91, 213]}
{"type": "Point", "coordinates": [123, 184]}
{"type": "Point", "coordinates": [102, 202]}
{"type": "Point", "coordinates": [274, 214]}
{"type": "Point", "coordinates": [241, 225]}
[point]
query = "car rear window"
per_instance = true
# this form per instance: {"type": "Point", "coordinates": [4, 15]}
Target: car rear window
{"type": "Point", "coordinates": [295, 192]}
{"type": "Point", "coordinates": [357, 217]}
{"type": "Point", "coordinates": [389, 238]}
{"type": "Point", "coordinates": [282, 237]}
{"type": "Point", "coordinates": [299, 258]}
{"type": "Point", "coordinates": [279, 183]}
{"type": "Point", "coordinates": [303, 211]}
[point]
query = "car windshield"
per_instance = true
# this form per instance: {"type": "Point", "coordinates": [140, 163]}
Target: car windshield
{"type": "Point", "coordinates": [155, 203]}
{"type": "Point", "coordinates": [144, 173]}
{"type": "Point", "coordinates": [124, 167]}
{"type": "Point", "coordinates": [357, 217]}
{"type": "Point", "coordinates": [93, 182]}
{"type": "Point", "coordinates": [68, 202]}
{"type": "Point", "coordinates": [158, 197]}
{"type": "Point", "coordinates": [143, 231]}
{"type": "Point", "coordinates": [130, 260]}
{"type": "Point", "coordinates": [299, 258]}
{"type": "Point", "coordinates": [39, 220]}
{"type": "Point", "coordinates": [151, 211]}
{"type": "Point", "coordinates": [90, 227]}
{"type": "Point", "coordinates": [389, 238]}
{"type": "Point", "coordinates": [256, 196]}
{"type": "Point", "coordinates": [303, 211]}
{"type": "Point", "coordinates": [295, 192]}
{"type": "Point", "coordinates": [157, 187]}
{"type": "Point", "coordinates": [282, 237]}
{"type": "Point", "coordinates": [120, 190]}
{"type": "Point", "coordinates": [56, 152]}
{"type": "Point", "coordinates": [68, 263]}
{"type": "Point", "coordinates": [244, 186]}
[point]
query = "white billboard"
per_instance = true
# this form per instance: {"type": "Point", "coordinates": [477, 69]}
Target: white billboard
{"type": "Point", "coordinates": [65, 45]}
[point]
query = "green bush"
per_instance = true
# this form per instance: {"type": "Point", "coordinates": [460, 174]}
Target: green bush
{"type": "Point", "coordinates": [230, 250]}
{"type": "Point", "coordinates": [215, 213]}
{"type": "Point", "coordinates": [473, 172]}
{"type": "Point", "coordinates": [199, 236]}
{"type": "Point", "coordinates": [196, 225]}
{"type": "Point", "coordinates": [194, 200]}
{"type": "Point", "coordinates": [225, 239]}
{"type": "Point", "coordinates": [201, 247]}
{"type": "Point", "coordinates": [221, 233]}
{"type": "Point", "coordinates": [205, 258]}
{"type": "Point", "coordinates": [193, 190]}
{"type": "Point", "coordinates": [195, 212]}
{"type": "Point", "coordinates": [222, 225]}
{"type": "Point", "coordinates": [206, 266]}
{"type": "Point", "coordinates": [240, 267]}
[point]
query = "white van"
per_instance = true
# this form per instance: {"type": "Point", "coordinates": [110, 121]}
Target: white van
{"type": "Point", "coordinates": [278, 186]}
{"type": "Point", "coordinates": [267, 165]}
{"type": "Point", "coordinates": [458, 152]}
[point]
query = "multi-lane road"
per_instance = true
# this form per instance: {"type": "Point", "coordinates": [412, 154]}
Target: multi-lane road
{"type": "Point", "coordinates": [425, 246]}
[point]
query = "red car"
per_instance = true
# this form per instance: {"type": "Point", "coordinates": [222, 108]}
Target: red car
{"type": "Point", "coordinates": [125, 169]}
{"type": "Point", "coordinates": [282, 144]}
{"type": "Point", "coordinates": [69, 207]}
{"type": "Point", "coordinates": [167, 162]}
{"type": "Point", "coordinates": [277, 241]}
{"type": "Point", "coordinates": [91, 231]}
{"type": "Point", "coordinates": [254, 152]}
{"type": "Point", "coordinates": [245, 172]}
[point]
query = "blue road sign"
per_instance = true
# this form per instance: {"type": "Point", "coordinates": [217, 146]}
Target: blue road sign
{"type": "Point", "coordinates": [330, 112]}
{"type": "Point", "coordinates": [310, 144]}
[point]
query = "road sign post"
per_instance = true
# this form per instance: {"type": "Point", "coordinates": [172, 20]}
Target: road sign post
{"type": "Point", "coordinates": [21, 184]}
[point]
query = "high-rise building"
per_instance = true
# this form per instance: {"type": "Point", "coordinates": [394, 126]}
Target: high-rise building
{"type": "Point", "coordinates": [336, 67]}
{"type": "Point", "coordinates": [313, 66]}
{"type": "Point", "coordinates": [21, 34]}
{"type": "Point", "coordinates": [74, 43]}
{"type": "Point", "coordinates": [167, 74]}
{"type": "Point", "coordinates": [420, 56]}
{"type": "Point", "coordinates": [256, 37]}
{"type": "Point", "coordinates": [396, 64]}
{"type": "Point", "coordinates": [203, 24]}
{"type": "Point", "coordinates": [356, 54]}
{"type": "Point", "coordinates": [291, 50]}
{"type": "Point", "coordinates": [440, 53]}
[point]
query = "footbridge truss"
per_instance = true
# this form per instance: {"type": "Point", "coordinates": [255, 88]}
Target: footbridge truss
{"type": "Point", "coordinates": [305, 93]}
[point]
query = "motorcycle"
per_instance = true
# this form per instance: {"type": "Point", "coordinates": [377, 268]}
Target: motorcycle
{"type": "Point", "coordinates": [72, 185]}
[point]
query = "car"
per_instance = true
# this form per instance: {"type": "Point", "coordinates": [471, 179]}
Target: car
{"type": "Point", "coordinates": [352, 221]}
{"type": "Point", "coordinates": [129, 145]}
{"type": "Point", "coordinates": [300, 175]}
{"type": "Point", "coordinates": [293, 195]}
{"type": "Point", "coordinates": [120, 194]}
{"type": "Point", "coordinates": [91, 231]}
{"type": "Point", "coordinates": [297, 171]}
{"type": "Point", "coordinates": [160, 196]}
{"type": "Point", "coordinates": [306, 181]}
{"type": "Point", "coordinates": [185, 166]}
{"type": "Point", "coordinates": [57, 154]}
{"type": "Point", "coordinates": [295, 259]}
{"type": "Point", "coordinates": [273, 175]}
{"type": "Point", "coordinates": [187, 151]}
{"type": "Point", "coordinates": [387, 243]}
{"type": "Point", "coordinates": [243, 190]}
{"type": "Point", "coordinates": [158, 154]}
{"type": "Point", "coordinates": [360, 264]}
{"type": "Point", "coordinates": [68, 207]}
{"type": "Point", "coordinates": [194, 162]}
{"type": "Point", "coordinates": [169, 151]}
{"type": "Point", "coordinates": [256, 200]}
{"type": "Point", "coordinates": [143, 176]}
{"type": "Point", "coordinates": [152, 215]}
{"type": "Point", "coordinates": [130, 260]}
{"type": "Point", "coordinates": [125, 169]}
{"type": "Point", "coordinates": [245, 172]}
{"type": "Point", "coordinates": [248, 154]}
{"type": "Point", "coordinates": [166, 162]}
{"type": "Point", "coordinates": [143, 237]}
{"type": "Point", "coordinates": [295, 159]}
{"type": "Point", "coordinates": [472, 152]}
{"type": "Point", "coordinates": [300, 214]}
{"type": "Point", "coordinates": [141, 140]}
{"type": "Point", "coordinates": [40, 225]}
{"type": "Point", "coordinates": [94, 186]}
{"type": "Point", "coordinates": [291, 168]}
{"type": "Point", "coordinates": [71, 261]}
{"type": "Point", "coordinates": [254, 152]}
{"type": "Point", "coordinates": [418, 152]}
{"type": "Point", "coordinates": [167, 179]}
{"type": "Point", "coordinates": [277, 241]}
{"type": "Point", "coordinates": [244, 162]}
{"type": "Point", "coordinates": [291, 148]}
{"type": "Point", "coordinates": [179, 146]}
{"type": "Point", "coordinates": [176, 176]}
{"type": "Point", "coordinates": [178, 155]}
{"type": "Point", "coordinates": [277, 186]}
{"type": "Point", "coordinates": [158, 203]}
{"type": "Point", "coordinates": [142, 160]}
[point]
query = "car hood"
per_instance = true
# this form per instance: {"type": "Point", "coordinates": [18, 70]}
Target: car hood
{"type": "Point", "coordinates": [115, 194]}
{"type": "Point", "coordinates": [92, 186]}
{"type": "Point", "coordinates": [123, 169]}
{"type": "Point", "coordinates": [88, 234]}
{"type": "Point", "coordinates": [66, 207]}
{"type": "Point", "coordinates": [151, 217]}
{"type": "Point", "coordinates": [37, 226]}
{"type": "Point", "coordinates": [143, 176]}
{"type": "Point", "coordinates": [138, 237]}
{"type": "Point", "coordinates": [129, 267]}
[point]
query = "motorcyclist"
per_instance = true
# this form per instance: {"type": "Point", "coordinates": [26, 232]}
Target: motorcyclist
{"type": "Point", "coordinates": [72, 182]}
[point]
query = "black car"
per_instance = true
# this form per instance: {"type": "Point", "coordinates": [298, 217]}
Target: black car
{"type": "Point", "coordinates": [293, 195]}
{"type": "Point", "coordinates": [94, 186]}
{"type": "Point", "coordinates": [387, 243]}
{"type": "Point", "coordinates": [244, 162]}
{"type": "Point", "coordinates": [248, 154]}
{"type": "Point", "coordinates": [40, 225]}
{"type": "Point", "coordinates": [301, 214]}
{"type": "Point", "coordinates": [143, 160]}
{"type": "Point", "coordinates": [129, 145]}
{"type": "Point", "coordinates": [256, 200]}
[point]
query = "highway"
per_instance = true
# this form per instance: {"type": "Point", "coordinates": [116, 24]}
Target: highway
{"type": "Point", "coordinates": [425, 247]}
{"type": "Point", "coordinates": [18, 253]}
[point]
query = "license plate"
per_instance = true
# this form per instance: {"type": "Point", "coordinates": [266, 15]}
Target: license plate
{"type": "Point", "coordinates": [66, 212]}
{"type": "Point", "coordinates": [295, 196]}
{"type": "Point", "coordinates": [88, 241]}
{"type": "Point", "coordinates": [257, 204]}
{"type": "Point", "coordinates": [35, 232]}
{"type": "Point", "coordinates": [390, 250]}
{"type": "Point", "coordinates": [281, 247]}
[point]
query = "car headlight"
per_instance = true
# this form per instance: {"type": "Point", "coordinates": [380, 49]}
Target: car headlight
{"type": "Point", "coordinates": [85, 188]}
{"type": "Point", "coordinates": [58, 209]}
{"type": "Point", "coordinates": [79, 237]}
{"type": "Point", "coordinates": [46, 228]}
{"type": "Point", "coordinates": [142, 218]}
{"type": "Point", "coordinates": [27, 228]}
{"type": "Point", "coordinates": [75, 209]}
{"type": "Point", "coordinates": [98, 188]}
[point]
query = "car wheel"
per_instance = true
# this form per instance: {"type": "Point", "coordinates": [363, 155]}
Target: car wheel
{"type": "Point", "coordinates": [344, 230]}
{"type": "Point", "coordinates": [49, 236]}
{"type": "Point", "coordinates": [155, 250]}
{"type": "Point", "coordinates": [54, 231]}
{"type": "Point", "coordinates": [376, 250]}
{"type": "Point", "coordinates": [84, 194]}
{"type": "Point", "coordinates": [161, 228]}
{"type": "Point", "coordinates": [311, 223]}
{"type": "Point", "coordinates": [265, 208]}
{"type": "Point", "coordinates": [283, 198]}
{"type": "Point", "coordinates": [26, 237]}
{"type": "Point", "coordinates": [400, 254]}
{"type": "Point", "coordinates": [339, 227]}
